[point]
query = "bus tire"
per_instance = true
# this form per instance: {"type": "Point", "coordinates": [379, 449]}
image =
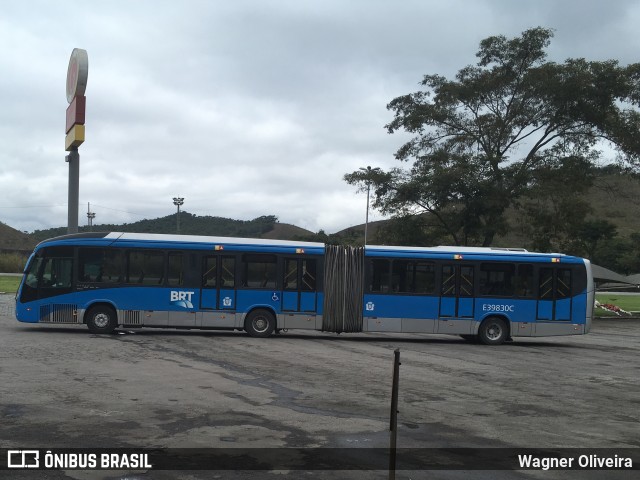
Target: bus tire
{"type": "Point", "coordinates": [101, 319]}
{"type": "Point", "coordinates": [493, 331]}
{"type": "Point", "coordinates": [260, 323]}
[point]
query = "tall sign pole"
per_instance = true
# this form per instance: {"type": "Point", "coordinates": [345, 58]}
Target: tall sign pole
{"type": "Point", "coordinates": [77, 74]}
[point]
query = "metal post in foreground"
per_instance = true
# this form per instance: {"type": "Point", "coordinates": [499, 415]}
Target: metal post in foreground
{"type": "Point", "coordinates": [393, 427]}
{"type": "Point", "coordinates": [74, 190]}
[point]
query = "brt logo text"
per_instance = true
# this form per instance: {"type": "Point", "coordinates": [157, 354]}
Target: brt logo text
{"type": "Point", "coordinates": [181, 299]}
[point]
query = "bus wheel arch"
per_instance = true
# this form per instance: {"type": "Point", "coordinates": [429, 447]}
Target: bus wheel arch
{"type": "Point", "coordinates": [260, 322]}
{"type": "Point", "coordinates": [101, 318]}
{"type": "Point", "coordinates": [494, 330]}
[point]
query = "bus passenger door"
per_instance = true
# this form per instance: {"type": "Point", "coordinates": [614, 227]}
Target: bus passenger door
{"type": "Point", "coordinates": [299, 292]}
{"type": "Point", "coordinates": [554, 294]}
{"type": "Point", "coordinates": [456, 299]}
{"type": "Point", "coordinates": [217, 291]}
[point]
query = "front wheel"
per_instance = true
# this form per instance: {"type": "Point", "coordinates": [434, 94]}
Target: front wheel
{"type": "Point", "coordinates": [493, 331]}
{"type": "Point", "coordinates": [101, 319]}
{"type": "Point", "coordinates": [260, 323]}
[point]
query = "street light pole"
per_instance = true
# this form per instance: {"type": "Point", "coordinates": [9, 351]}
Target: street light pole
{"type": "Point", "coordinates": [366, 221]}
{"type": "Point", "coordinates": [177, 201]}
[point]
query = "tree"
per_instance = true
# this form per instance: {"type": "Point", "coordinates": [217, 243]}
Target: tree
{"type": "Point", "coordinates": [479, 140]}
{"type": "Point", "coordinates": [553, 213]}
{"type": "Point", "coordinates": [593, 234]}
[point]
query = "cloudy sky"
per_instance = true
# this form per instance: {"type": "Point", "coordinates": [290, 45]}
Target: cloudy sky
{"type": "Point", "coordinates": [243, 107]}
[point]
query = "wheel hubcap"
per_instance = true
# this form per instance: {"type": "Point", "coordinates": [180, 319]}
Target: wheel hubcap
{"type": "Point", "coordinates": [494, 332]}
{"type": "Point", "coordinates": [260, 324]}
{"type": "Point", "coordinates": [101, 320]}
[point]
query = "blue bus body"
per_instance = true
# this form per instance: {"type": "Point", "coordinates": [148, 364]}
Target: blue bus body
{"type": "Point", "coordinates": [546, 307]}
{"type": "Point", "coordinates": [261, 286]}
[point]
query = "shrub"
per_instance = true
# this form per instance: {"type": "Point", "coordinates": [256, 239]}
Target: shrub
{"type": "Point", "coordinates": [12, 262]}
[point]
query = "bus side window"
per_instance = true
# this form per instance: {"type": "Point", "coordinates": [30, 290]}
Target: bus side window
{"type": "Point", "coordinates": [145, 267]}
{"type": "Point", "coordinates": [32, 274]}
{"type": "Point", "coordinates": [563, 288]}
{"type": "Point", "coordinates": [524, 281]}
{"type": "Point", "coordinates": [424, 280]}
{"type": "Point", "coordinates": [496, 279]}
{"type": "Point", "coordinates": [411, 276]}
{"type": "Point", "coordinates": [260, 270]}
{"type": "Point", "coordinates": [228, 272]}
{"type": "Point", "coordinates": [113, 267]}
{"type": "Point", "coordinates": [290, 274]}
{"type": "Point", "coordinates": [545, 284]}
{"type": "Point", "coordinates": [308, 276]}
{"type": "Point", "coordinates": [57, 273]}
{"type": "Point", "coordinates": [90, 264]}
{"type": "Point", "coordinates": [209, 272]}
{"type": "Point", "coordinates": [379, 275]}
{"type": "Point", "coordinates": [49, 274]}
{"type": "Point", "coordinates": [448, 288]}
{"type": "Point", "coordinates": [175, 271]}
{"type": "Point", "coordinates": [466, 281]}
{"type": "Point", "coordinates": [100, 265]}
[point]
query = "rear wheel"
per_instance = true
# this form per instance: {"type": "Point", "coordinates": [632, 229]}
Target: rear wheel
{"type": "Point", "coordinates": [260, 323]}
{"type": "Point", "coordinates": [493, 331]}
{"type": "Point", "coordinates": [101, 319]}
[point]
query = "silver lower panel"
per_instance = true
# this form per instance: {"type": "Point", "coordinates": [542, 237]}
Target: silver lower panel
{"type": "Point", "coordinates": [306, 321]}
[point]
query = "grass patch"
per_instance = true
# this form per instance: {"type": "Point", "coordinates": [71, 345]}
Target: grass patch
{"type": "Point", "coordinates": [630, 303]}
{"type": "Point", "coordinates": [9, 284]}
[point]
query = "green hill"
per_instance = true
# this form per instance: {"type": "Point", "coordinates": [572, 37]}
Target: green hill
{"type": "Point", "coordinates": [12, 239]}
{"type": "Point", "coordinates": [616, 198]}
{"type": "Point", "coordinates": [262, 227]}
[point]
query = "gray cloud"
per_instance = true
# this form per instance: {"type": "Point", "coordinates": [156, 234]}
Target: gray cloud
{"type": "Point", "coordinates": [245, 108]}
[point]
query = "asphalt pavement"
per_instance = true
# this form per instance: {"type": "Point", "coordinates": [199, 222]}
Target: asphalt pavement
{"type": "Point", "coordinates": [61, 386]}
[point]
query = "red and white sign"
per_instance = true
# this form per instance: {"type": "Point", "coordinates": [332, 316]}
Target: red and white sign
{"type": "Point", "coordinates": [77, 74]}
{"type": "Point", "coordinates": [76, 112]}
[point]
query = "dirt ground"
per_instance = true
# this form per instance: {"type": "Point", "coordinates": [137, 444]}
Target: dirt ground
{"type": "Point", "coordinates": [61, 386]}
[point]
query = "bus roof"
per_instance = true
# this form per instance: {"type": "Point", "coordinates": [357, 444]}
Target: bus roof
{"type": "Point", "coordinates": [157, 237]}
{"type": "Point", "coordinates": [167, 241]}
{"type": "Point", "coordinates": [450, 249]}
{"type": "Point", "coordinates": [471, 251]}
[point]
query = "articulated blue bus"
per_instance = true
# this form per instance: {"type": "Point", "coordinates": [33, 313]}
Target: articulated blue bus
{"type": "Point", "coordinates": [129, 280]}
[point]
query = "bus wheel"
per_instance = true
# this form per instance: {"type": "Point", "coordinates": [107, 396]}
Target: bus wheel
{"type": "Point", "coordinates": [101, 319]}
{"type": "Point", "coordinates": [493, 331]}
{"type": "Point", "coordinates": [260, 323]}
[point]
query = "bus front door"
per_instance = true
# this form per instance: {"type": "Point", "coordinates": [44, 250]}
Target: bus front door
{"type": "Point", "coordinates": [217, 290]}
{"type": "Point", "coordinates": [299, 294]}
{"type": "Point", "coordinates": [456, 299]}
{"type": "Point", "coordinates": [554, 294]}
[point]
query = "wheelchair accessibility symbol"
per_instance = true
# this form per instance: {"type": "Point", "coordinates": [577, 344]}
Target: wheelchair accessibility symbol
{"type": "Point", "coordinates": [275, 297]}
